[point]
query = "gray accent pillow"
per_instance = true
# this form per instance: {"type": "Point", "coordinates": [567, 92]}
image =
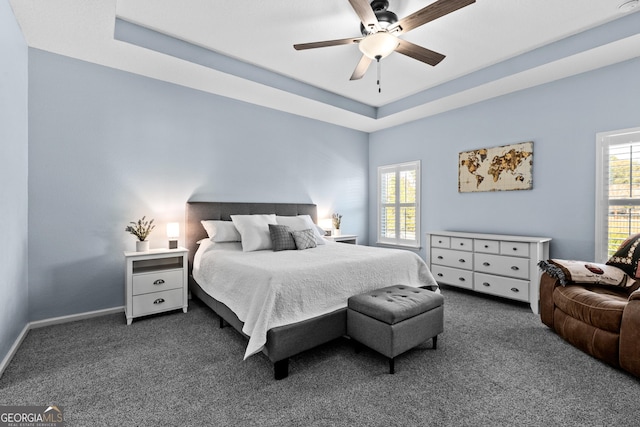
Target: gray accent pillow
{"type": "Point", "coordinates": [281, 237]}
{"type": "Point", "coordinates": [305, 239]}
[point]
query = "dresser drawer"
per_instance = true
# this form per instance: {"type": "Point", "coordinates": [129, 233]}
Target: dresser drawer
{"type": "Point", "coordinates": [145, 283]}
{"type": "Point", "coordinates": [502, 265]}
{"type": "Point", "coordinates": [486, 246]}
{"type": "Point", "coordinates": [156, 302]}
{"type": "Point", "coordinates": [462, 244]}
{"type": "Point", "coordinates": [440, 241]}
{"type": "Point", "coordinates": [514, 249]}
{"type": "Point", "coordinates": [453, 276]}
{"type": "Point", "coordinates": [501, 286]}
{"type": "Point", "coordinates": [451, 258]}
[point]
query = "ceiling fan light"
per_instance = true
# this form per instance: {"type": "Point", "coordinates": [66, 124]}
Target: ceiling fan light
{"type": "Point", "coordinates": [378, 45]}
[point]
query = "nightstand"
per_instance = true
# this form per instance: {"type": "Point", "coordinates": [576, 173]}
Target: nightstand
{"type": "Point", "coordinates": [155, 281]}
{"type": "Point", "coordinates": [344, 238]}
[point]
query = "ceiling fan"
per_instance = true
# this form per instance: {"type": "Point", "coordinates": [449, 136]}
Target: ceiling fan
{"type": "Point", "coordinates": [380, 29]}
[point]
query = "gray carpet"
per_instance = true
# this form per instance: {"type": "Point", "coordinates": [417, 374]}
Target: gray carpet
{"type": "Point", "coordinates": [496, 364]}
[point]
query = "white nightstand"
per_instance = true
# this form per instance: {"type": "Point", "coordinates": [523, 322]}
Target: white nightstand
{"type": "Point", "coordinates": [344, 238]}
{"type": "Point", "coordinates": [156, 281]}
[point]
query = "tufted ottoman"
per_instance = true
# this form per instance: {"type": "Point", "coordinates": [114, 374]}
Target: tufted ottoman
{"type": "Point", "coordinates": [395, 319]}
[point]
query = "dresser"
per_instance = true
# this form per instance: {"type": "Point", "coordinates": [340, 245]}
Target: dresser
{"type": "Point", "coordinates": [155, 281]}
{"type": "Point", "coordinates": [496, 264]}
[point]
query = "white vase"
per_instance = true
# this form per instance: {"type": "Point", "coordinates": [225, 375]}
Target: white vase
{"type": "Point", "coordinates": [336, 232]}
{"type": "Point", "coordinates": [142, 246]}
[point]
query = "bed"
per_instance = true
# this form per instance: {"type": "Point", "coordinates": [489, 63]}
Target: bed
{"type": "Point", "coordinates": [286, 302]}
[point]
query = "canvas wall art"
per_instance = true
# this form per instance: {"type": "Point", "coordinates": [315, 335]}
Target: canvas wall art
{"type": "Point", "coordinates": [508, 167]}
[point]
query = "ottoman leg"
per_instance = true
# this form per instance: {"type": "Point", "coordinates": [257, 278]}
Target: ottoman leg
{"type": "Point", "coordinates": [435, 342]}
{"type": "Point", "coordinates": [392, 365]}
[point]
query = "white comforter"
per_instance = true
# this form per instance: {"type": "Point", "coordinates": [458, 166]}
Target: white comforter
{"type": "Point", "coordinates": [266, 289]}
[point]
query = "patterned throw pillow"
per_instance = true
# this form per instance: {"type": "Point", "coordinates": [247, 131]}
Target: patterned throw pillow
{"type": "Point", "coordinates": [281, 238]}
{"type": "Point", "coordinates": [627, 256]}
{"type": "Point", "coordinates": [305, 239]}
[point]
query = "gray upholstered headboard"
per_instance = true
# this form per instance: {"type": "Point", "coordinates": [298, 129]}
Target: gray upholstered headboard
{"type": "Point", "coordinates": [198, 211]}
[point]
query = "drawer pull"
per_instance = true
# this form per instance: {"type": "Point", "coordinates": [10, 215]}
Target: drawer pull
{"type": "Point", "coordinates": [515, 290]}
{"type": "Point", "coordinates": [461, 279]}
{"type": "Point", "coordinates": [486, 246]}
{"type": "Point", "coordinates": [515, 268]}
{"type": "Point", "coordinates": [440, 275]}
{"type": "Point", "coordinates": [159, 282]}
{"type": "Point", "coordinates": [486, 284]}
{"type": "Point", "coordinates": [159, 301]}
{"type": "Point", "coordinates": [461, 243]}
{"type": "Point", "coordinates": [515, 249]}
{"type": "Point", "coordinates": [462, 260]}
{"type": "Point", "coordinates": [486, 264]}
{"type": "Point", "coordinates": [439, 256]}
{"type": "Point", "coordinates": [439, 241]}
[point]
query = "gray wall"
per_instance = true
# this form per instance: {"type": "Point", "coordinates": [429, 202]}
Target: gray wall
{"type": "Point", "coordinates": [13, 179]}
{"type": "Point", "coordinates": [107, 147]}
{"type": "Point", "coordinates": [561, 118]}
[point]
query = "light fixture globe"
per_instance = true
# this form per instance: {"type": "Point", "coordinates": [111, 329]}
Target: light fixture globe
{"type": "Point", "coordinates": [378, 45]}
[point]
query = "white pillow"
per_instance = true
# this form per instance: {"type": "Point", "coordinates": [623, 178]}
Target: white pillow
{"type": "Point", "coordinates": [221, 231]}
{"type": "Point", "coordinates": [254, 230]}
{"type": "Point", "coordinates": [302, 222]}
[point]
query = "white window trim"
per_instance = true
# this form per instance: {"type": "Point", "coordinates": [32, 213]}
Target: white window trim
{"type": "Point", "coordinates": [603, 141]}
{"type": "Point", "coordinates": [396, 241]}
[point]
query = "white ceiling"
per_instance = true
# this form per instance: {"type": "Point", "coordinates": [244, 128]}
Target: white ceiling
{"type": "Point", "coordinates": [262, 33]}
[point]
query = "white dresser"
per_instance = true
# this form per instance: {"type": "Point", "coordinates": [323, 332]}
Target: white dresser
{"type": "Point", "coordinates": [496, 264]}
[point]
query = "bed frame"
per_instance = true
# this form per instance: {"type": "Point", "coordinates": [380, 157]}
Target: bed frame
{"type": "Point", "coordinates": [282, 341]}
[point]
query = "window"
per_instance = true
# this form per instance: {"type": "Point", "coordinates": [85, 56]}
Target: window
{"type": "Point", "coordinates": [399, 204]}
{"type": "Point", "coordinates": [617, 190]}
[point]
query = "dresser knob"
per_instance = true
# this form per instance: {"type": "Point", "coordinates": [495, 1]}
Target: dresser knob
{"type": "Point", "coordinates": [439, 256]}
{"type": "Point", "coordinates": [514, 268]}
{"type": "Point", "coordinates": [486, 264]}
{"type": "Point", "coordinates": [515, 249]}
{"type": "Point", "coordinates": [440, 274]}
{"type": "Point", "coordinates": [515, 290]}
{"type": "Point", "coordinates": [461, 260]}
{"type": "Point", "coordinates": [486, 246]}
{"type": "Point", "coordinates": [486, 284]}
{"type": "Point", "coordinates": [461, 279]}
{"type": "Point", "coordinates": [159, 301]}
{"type": "Point", "coordinates": [158, 282]}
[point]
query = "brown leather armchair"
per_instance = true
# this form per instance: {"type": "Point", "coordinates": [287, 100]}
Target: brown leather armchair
{"type": "Point", "coordinates": [603, 321]}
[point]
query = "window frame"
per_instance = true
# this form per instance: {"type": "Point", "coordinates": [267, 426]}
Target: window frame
{"type": "Point", "coordinates": [397, 241]}
{"type": "Point", "coordinates": [604, 141]}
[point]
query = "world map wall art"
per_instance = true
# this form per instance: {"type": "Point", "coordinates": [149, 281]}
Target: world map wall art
{"type": "Point", "coordinates": [496, 169]}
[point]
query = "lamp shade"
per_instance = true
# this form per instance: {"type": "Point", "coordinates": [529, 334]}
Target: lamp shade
{"type": "Point", "coordinates": [173, 230]}
{"type": "Point", "coordinates": [378, 45]}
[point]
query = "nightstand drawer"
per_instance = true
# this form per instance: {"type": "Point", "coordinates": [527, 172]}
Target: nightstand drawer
{"type": "Point", "coordinates": [145, 283]}
{"type": "Point", "coordinates": [502, 286]}
{"type": "Point", "coordinates": [156, 302]}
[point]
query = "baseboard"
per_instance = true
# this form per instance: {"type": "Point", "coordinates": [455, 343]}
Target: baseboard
{"type": "Point", "coordinates": [52, 321]}
{"type": "Point", "coordinates": [14, 348]}
{"type": "Point", "coordinates": [74, 317]}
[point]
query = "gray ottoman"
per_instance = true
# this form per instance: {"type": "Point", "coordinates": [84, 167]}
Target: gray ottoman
{"type": "Point", "coordinates": [395, 319]}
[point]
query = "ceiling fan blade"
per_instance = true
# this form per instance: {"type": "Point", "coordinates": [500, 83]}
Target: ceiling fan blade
{"type": "Point", "coordinates": [365, 13]}
{"type": "Point", "coordinates": [361, 68]}
{"type": "Point", "coordinates": [418, 52]}
{"type": "Point", "coordinates": [303, 46]}
{"type": "Point", "coordinates": [427, 14]}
